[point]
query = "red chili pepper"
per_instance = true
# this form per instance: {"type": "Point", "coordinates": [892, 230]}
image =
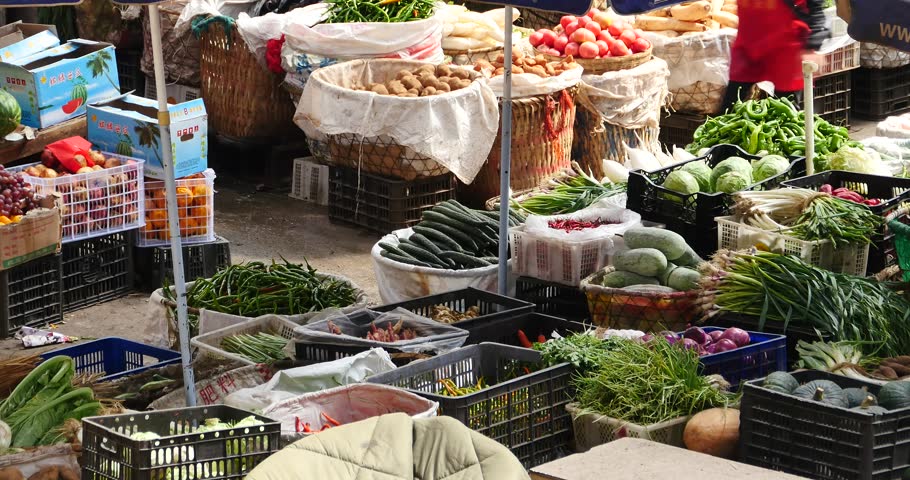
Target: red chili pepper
{"type": "Point", "coordinates": [523, 340]}
{"type": "Point", "coordinates": [331, 420]}
{"type": "Point", "coordinates": [306, 428]}
{"type": "Point", "coordinates": [325, 427]}
{"type": "Point", "coordinates": [527, 370]}
{"type": "Point", "coordinates": [541, 339]}
{"type": "Point", "coordinates": [297, 426]}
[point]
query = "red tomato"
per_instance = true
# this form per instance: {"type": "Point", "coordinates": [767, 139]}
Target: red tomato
{"type": "Point", "coordinates": [616, 28]}
{"type": "Point", "coordinates": [593, 12]}
{"type": "Point", "coordinates": [549, 37]}
{"type": "Point", "coordinates": [605, 36]}
{"type": "Point", "coordinates": [572, 48]}
{"type": "Point", "coordinates": [604, 48]}
{"type": "Point", "coordinates": [640, 45]}
{"type": "Point", "coordinates": [583, 35]}
{"type": "Point", "coordinates": [560, 43]}
{"type": "Point", "coordinates": [536, 38]}
{"type": "Point", "coordinates": [594, 27]}
{"type": "Point", "coordinates": [588, 50]}
{"type": "Point", "coordinates": [566, 20]}
{"type": "Point", "coordinates": [603, 19]}
{"type": "Point", "coordinates": [583, 21]}
{"type": "Point", "coordinates": [570, 28]}
{"type": "Point", "coordinates": [619, 49]}
{"type": "Point", "coordinates": [628, 37]}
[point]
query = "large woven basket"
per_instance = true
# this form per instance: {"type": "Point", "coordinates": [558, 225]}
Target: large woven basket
{"type": "Point", "coordinates": [596, 66]}
{"type": "Point", "coordinates": [381, 156]}
{"type": "Point", "coordinates": [596, 140]}
{"type": "Point", "coordinates": [242, 98]}
{"type": "Point", "coordinates": [621, 309]}
{"type": "Point", "coordinates": [701, 98]}
{"type": "Point", "coordinates": [469, 57]}
{"type": "Point", "coordinates": [542, 130]}
{"type": "Point", "coordinates": [537, 19]}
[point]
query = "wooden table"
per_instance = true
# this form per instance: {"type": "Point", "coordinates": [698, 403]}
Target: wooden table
{"type": "Point", "coordinates": [635, 459]}
{"type": "Point", "coordinates": [12, 151]}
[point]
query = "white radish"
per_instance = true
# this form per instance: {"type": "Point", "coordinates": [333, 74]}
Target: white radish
{"type": "Point", "coordinates": [459, 43]}
{"type": "Point", "coordinates": [615, 171]}
{"type": "Point", "coordinates": [498, 16]}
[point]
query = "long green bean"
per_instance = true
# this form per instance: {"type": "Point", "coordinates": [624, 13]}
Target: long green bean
{"type": "Point", "coordinates": [380, 11]}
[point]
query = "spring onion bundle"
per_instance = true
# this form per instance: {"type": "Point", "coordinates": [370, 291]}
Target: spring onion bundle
{"type": "Point", "coordinates": [570, 195]}
{"type": "Point", "coordinates": [785, 289]}
{"type": "Point", "coordinates": [808, 215]}
{"type": "Point", "coordinates": [841, 358]}
{"type": "Point", "coordinates": [260, 348]}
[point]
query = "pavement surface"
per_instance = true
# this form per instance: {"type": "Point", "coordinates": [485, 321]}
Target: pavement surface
{"type": "Point", "coordinates": [261, 225]}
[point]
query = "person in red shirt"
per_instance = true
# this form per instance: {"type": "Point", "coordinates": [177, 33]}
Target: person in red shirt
{"type": "Point", "coordinates": [774, 38]}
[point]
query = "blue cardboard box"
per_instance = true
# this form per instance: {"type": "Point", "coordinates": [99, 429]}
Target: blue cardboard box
{"type": "Point", "coordinates": [56, 84]}
{"type": "Point", "coordinates": [128, 125]}
{"type": "Point", "coordinates": [19, 40]}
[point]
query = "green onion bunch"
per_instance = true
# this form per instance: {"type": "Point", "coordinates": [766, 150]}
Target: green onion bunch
{"type": "Point", "coordinates": [570, 195]}
{"type": "Point", "coordinates": [260, 348]}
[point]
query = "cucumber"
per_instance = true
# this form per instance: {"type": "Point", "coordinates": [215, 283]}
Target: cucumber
{"type": "Point", "coordinates": [618, 279]}
{"type": "Point", "coordinates": [671, 244]}
{"type": "Point", "coordinates": [683, 279]}
{"type": "Point", "coordinates": [445, 219]}
{"type": "Point", "coordinates": [648, 262]}
{"type": "Point", "coordinates": [440, 239]}
{"type": "Point", "coordinates": [466, 260]}
{"type": "Point", "coordinates": [422, 255]}
{"type": "Point", "coordinates": [457, 214]}
{"type": "Point", "coordinates": [393, 249]}
{"type": "Point", "coordinates": [461, 238]}
{"type": "Point", "coordinates": [425, 243]}
{"type": "Point", "coordinates": [405, 260]}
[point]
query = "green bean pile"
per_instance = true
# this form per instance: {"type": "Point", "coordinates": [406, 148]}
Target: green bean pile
{"type": "Point", "coordinates": [379, 11]}
{"type": "Point", "coordinates": [255, 288]}
{"type": "Point", "coordinates": [771, 125]}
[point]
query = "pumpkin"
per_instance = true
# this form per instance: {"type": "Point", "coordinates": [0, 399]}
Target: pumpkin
{"type": "Point", "coordinates": [894, 395]}
{"type": "Point", "coordinates": [856, 396]}
{"type": "Point", "coordinates": [868, 406]}
{"type": "Point", "coordinates": [823, 391]}
{"type": "Point", "coordinates": [781, 382]}
{"type": "Point", "coordinates": [713, 432]}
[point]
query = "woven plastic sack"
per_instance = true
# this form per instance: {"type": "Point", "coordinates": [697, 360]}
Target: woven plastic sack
{"type": "Point", "coordinates": [878, 56]}
{"type": "Point", "coordinates": [463, 123]}
{"type": "Point", "coordinates": [624, 219]}
{"type": "Point", "coordinates": [702, 57]}
{"type": "Point", "coordinates": [398, 282]}
{"type": "Point", "coordinates": [345, 404]}
{"type": "Point", "coordinates": [629, 98]}
{"type": "Point", "coordinates": [431, 336]}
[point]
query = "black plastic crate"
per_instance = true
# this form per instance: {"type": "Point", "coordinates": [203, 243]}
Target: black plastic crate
{"type": "Point", "coordinates": [108, 452]}
{"type": "Point", "coordinates": [381, 204]}
{"type": "Point", "coordinates": [553, 298]}
{"type": "Point", "coordinates": [492, 306]}
{"type": "Point", "coordinates": [832, 98]}
{"type": "Point", "coordinates": [523, 411]}
{"type": "Point", "coordinates": [815, 440]}
{"type": "Point", "coordinates": [31, 294]}
{"type": "Point", "coordinates": [878, 93]}
{"type": "Point", "coordinates": [677, 128]}
{"type": "Point", "coordinates": [130, 72]}
{"type": "Point", "coordinates": [692, 216]}
{"type": "Point", "coordinates": [894, 193]}
{"type": "Point", "coordinates": [751, 323]}
{"type": "Point", "coordinates": [532, 324]}
{"type": "Point", "coordinates": [97, 270]}
{"type": "Point", "coordinates": [154, 267]}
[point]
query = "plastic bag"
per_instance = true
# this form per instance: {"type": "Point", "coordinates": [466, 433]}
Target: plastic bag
{"type": "Point", "coordinates": [431, 336]}
{"type": "Point", "coordinates": [894, 127]}
{"type": "Point", "coordinates": [629, 98]}
{"type": "Point", "coordinates": [287, 384]}
{"type": "Point", "coordinates": [624, 219]}
{"type": "Point", "coordinates": [345, 404]}
{"type": "Point", "coordinates": [702, 57]}
{"type": "Point", "coordinates": [398, 282]}
{"type": "Point", "coordinates": [530, 85]}
{"type": "Point", "coordinates": [257, 31]}
{"type": "Point", "coordinates": [32, 461]}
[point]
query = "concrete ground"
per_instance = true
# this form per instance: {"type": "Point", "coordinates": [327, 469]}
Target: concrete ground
{"type": "Point", "coordinates": [260, 225]}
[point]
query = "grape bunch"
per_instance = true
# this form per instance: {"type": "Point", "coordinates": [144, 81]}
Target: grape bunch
{"type": "Point", "coordinates": [16, 196]}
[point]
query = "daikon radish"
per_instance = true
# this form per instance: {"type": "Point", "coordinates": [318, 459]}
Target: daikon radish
{"type": "Point", "coordinates": [464, 29]}
{"type": "Point", "coordinates": [658, 24]}
{"type": "Point", "coordinates": [615, 171]}
{"type": "Point", "coordinates": [459, 43]}
{"type": "Point", "coordinates": [498, 15]}
{"type": "Point", "coordinates": [726, 19]}
{"type": "Point", "coordinates": [691, 12]}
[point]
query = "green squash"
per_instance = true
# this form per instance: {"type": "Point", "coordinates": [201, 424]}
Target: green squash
{"type": "Point", "coordinates": [894, 395]}
{"type": "Point", "coordinates": [868, 406]}
{"type": "Point", "coordinates": [824, 391]}
{"type": "Point", "coordinates": [856, 396]}
{"type": "Point", "coordinates": [781, 382]}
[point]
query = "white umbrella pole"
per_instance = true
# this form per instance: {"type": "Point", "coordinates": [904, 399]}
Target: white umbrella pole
{"type": "Point", "coordinates": [173, 219]}
{"type": "Point", "coordinates": [505, 156]}
{"type": "Point", "coordinates": [809, 68]}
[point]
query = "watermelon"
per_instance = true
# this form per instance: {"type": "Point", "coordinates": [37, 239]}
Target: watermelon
{"type": "Point", "coordinates": [80, 92]}
{"type": "Point", "coordinates": [10, 113]}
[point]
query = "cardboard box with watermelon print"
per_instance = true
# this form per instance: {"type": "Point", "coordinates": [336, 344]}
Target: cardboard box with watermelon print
{"type": "Point", "coordinates": [56, 84]}
{"type": "Point", "coordinates": [19, 40]}
{"type": "Point", "coordinates": [128, 125]}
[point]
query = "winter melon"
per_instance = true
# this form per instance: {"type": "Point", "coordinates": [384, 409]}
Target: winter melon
{"type": "Point", "coordinates": [648, 262]}
{"type": "Point", "coordinates": [671, 244]}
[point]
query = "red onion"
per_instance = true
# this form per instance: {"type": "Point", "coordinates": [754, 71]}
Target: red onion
{"type": "Point", "coordinates": [689, 344]}
{"type": "Point", "coordinates": [715, 335]}
{"type": "Point", "coordinates": [696, 334]}
{"type": "Point", "coordinates": [737, 335]}
{"type": "Point", "coordinates": [723, 345]}
{"type": "Point", "coordinates": [710, 349]}
{"type": "Point", "coordinates": [647, 338]}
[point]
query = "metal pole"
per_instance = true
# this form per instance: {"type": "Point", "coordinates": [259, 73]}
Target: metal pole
{"type": "Point", "coordinates": [505, 155]}
{"type": "Point", "coordinates": [809, 68]}
{"type": "Point", "coordinates": [173, 219]}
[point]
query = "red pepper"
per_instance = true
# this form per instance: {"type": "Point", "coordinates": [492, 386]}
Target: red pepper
{"type": "Point", "coordinates": [527, 370]}
{"type": "Point", "coordinates": [306, 428]}
{"type": "Point", "coordinates": [325, 427]}
{"type": "Point", "coordinates": [331, 420]}
{"type": "Point", "coordinates": [523, 340]}
{"type": "Point", "coordinates": [297, 427]}
{"type": "Point", "coordinates": [541, 339]}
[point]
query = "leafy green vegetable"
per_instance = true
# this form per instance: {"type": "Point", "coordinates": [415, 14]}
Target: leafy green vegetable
{"type": "Point", "coordinates": [584, 351]}
{"type": "Point", "coordinates": [857, 159]}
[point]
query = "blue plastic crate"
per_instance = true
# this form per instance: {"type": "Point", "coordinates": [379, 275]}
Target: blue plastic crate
{"type": "Point", "coordinates": [115, 357]}
{"type": "Point", "coordinates": [765, 353]}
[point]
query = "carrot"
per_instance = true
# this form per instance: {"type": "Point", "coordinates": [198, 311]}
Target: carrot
{"type": "Point", "coordinates": [331, 420]}
{"type": "Point", "coordinates": [523, 340]}
{"type": "Point", "coordinates": [657, 24]}
{"type": "Point", "coordinates": [691, 12]}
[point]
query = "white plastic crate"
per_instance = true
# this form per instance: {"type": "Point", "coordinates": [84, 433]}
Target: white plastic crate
{"type": "Point", "coordinates": [98, 203]}
{"type": "Point", "coordinates": [555, 260]}
{"type": "Point", "coordinates": [841, 59]}
{"type": "Point", "coordinates": [592, 430]}
{"type": "Point", "coordinates": [836, 25]}
{"type": "Point", "coordinates": [850, 259]}
{"type": "Point", "coordinates": [195, 206]}
{"type": "Point", "coordinates": [209, 344]}
{"type": "Point", "coordinates": [176, 93]}
{"type": "Point", "coordinates": [310, 181]}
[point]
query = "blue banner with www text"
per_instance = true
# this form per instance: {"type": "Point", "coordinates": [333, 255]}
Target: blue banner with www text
{"type": "Point", "coordinates": [571, 7]}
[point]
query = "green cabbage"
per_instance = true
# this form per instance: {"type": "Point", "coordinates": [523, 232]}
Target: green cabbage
{"type": "Point", "coordinates": [732, 182]}
{"type": "Point", "coordinates": [681, 182]}
{"type": "Point", "coordinates": [769, 166]}
{"type": "Point", "coordinates": [702, 173]}
{"type": "Point", "coordinates": [732, 164]}
{"type": "Point", "coordinates": [856, 159]}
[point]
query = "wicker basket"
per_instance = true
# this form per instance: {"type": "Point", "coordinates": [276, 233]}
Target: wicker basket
{"type": "Point", "coordinates": [626, 309]}
{"type": "Point", "coordinates": [537, 19]}
{"type": "Point", "coordinates": [469, 57]}
{"type": "Point", "coordinates": [596, 66]}
{"type": "Point", "coordinates": [542, 130]}
{"type": "Point", "coordinates": [595, 141]}
{"type": "Point", "coordinates": [592, 430]}
{"type": "Point", "coordinates": [701, 98]}
{"type": "Point", "coordinates": [381, 156]}
{"type": "Point", "coordinates": [242, 98]}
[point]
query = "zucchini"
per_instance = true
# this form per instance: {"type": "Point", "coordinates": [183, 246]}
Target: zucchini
{"type": "Point", "coordinates": [422, 255]}
{"type": "Point", "coordinates": [464, 240]}
{"type": "Point", "coordinates": [466, 260]}
{"type": "Point", "coordinates": [405, 260]}
{"type": "Point", "coordinates": [440, 239]}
